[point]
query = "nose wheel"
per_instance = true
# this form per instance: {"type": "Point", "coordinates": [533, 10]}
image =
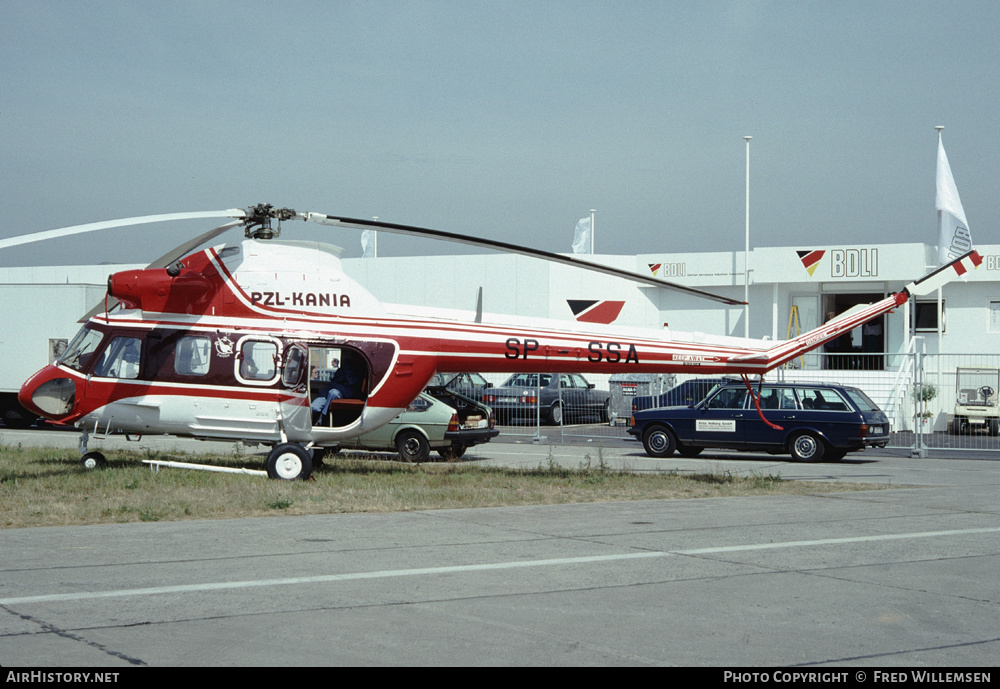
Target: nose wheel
{"type": "Point", "coordinates": [93, 460]}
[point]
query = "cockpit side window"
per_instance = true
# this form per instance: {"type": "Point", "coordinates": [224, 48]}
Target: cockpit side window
{"type": "Point", "coordinates": [81, 349]}
{"type": "Point", "coordinates": [120, 359]}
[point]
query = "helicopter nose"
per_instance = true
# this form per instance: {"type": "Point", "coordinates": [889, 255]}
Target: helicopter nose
{"type": "Point", "coordinates": [48, 393]}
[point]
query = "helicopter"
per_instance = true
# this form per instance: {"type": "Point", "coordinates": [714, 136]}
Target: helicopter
{"type": "Point", "coordinates": [225, 343]}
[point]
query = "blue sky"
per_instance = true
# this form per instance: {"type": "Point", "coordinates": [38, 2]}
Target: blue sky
{"type": "Point", "coordinates": [508, 120]}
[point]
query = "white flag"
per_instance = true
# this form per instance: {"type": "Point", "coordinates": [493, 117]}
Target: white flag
{"type": "Point", "coordinates": [955, 238]}
{"type": "Point", "coordinates": [368, 244]}
{"type": "Point", "coordinates": [581, 237]}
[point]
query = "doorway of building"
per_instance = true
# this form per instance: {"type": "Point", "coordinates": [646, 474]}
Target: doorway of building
{"type": "Point", "coordinates": [862, 348]}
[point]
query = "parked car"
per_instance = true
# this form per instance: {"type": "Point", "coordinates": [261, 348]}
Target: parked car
{"type": "Point", "coordinates": [815, 421]}
{"type": "Point", "coordinates": [687, 393]}
{"type": "Point", "coordinates": [527, 395]}
{"type": "Point", "coordinates": [438, 419]}
{"type": "Point", "coordinates": [472, 384]}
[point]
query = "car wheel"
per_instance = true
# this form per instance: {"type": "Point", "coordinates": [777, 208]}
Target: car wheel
{"type": "Point", "coordinates": [17, 419]}
{"type": "Point", "coordinates": [659, 441]}
{"type": "Point", "coordinates": [606, 411]}
{"type": "Point", "coordinates": [833, 454]}
{"type": "Point", "coordinates": [994, 426]}
{"type": "Point", "coordinates": [412, 446]}
{"type": "Point", "coordinates": [453, 452]}
{"type": "Point", "coordinates": [556, 415]}
{"type": "Point", "coordinates": [806, 447]}
{"type": "Point", "coordinates": [289, 462]}
{"type": "Point", "coordinates": [685, 451]}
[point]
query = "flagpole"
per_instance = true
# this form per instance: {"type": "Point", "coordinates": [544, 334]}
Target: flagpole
{"type": "Point", "coordinates": [592, 212]}
{"type": "Point", "coordinates": [746, 251]}
{"type": "Point", "coordinates": [940, 294]}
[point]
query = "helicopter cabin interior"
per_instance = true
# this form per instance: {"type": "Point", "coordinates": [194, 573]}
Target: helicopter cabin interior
{"type": "Point", "coordinates": [342, 368]}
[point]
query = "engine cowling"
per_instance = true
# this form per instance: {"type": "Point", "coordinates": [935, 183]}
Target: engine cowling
{"type": "Point", "coordinates": [157, 290]}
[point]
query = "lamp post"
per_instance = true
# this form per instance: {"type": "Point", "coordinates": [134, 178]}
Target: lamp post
{"type": "Point", "coordinates": [746, 251]}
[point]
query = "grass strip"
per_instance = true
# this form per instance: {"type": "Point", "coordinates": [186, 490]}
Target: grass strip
{"type": "Point", "coordinates": [49, 487]}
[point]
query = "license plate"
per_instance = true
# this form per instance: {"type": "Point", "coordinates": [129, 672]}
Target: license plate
{"type": "Point", "coordinates": [507, 399]}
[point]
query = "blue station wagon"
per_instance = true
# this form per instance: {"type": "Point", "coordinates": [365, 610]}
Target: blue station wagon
{"type": "Point", "coordinates": [815, 421]}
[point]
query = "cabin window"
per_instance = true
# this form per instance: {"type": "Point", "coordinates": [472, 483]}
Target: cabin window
{"type": "Point", "coordinates": [257, 360]}
{"type": "Point", "coordinates": [120, 359]}
{"type": "Point", "coordinates": [193, 355]}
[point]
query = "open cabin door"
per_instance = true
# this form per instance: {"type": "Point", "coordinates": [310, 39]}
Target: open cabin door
{"type": "Point", "coordinates": [294, 404]}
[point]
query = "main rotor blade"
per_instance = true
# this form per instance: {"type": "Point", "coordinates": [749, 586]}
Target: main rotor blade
{"type": "Point", "coordinates": [123, 222]}
{"type": "Point", "coordinates": [512, 248]}
{"type": "Point", "coordinates": [189, 246]}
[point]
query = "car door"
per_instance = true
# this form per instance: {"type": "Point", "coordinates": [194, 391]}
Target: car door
{"type": "Point", "coordinates": [778, 407]}
{"type": "Point", "coordinates": [719, 422]}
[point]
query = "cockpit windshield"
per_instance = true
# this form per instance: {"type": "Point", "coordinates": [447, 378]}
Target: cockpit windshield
{"type": "Point", "coordinates": [80, 350]}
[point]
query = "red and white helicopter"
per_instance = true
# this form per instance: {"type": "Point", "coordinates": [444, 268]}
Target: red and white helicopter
{"type": "Point", "coordinates": [219, 343]}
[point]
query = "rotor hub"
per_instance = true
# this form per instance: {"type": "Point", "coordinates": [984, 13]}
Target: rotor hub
{"type": "Point", "coordinates": [258, 221]}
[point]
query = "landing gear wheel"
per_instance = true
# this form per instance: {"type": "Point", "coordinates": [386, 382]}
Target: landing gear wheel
{"type": "Point", "coordinates": [289, 462]}
{"type": "Point", "coordinates": [93, 460]}
{"type": "Point", "coordinates": [412, 446]}
{"type": "Point", "coordinates": [659, 441]}
{"type": "Point", "coordinates": [806, 447]}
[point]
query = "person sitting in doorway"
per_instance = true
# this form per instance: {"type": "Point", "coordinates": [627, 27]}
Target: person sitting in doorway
{"type": "Point", "coordinates": [346, 383]}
